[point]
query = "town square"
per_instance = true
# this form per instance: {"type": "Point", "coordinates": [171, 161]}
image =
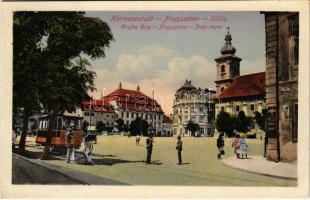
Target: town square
{"type": "Point", "coordinates": [155, 98]}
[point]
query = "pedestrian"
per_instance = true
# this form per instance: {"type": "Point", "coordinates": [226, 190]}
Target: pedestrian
{"type": "Point", "coordinates": [179, 149]}
{"type": "Point", "coordinates": [235, 145]}
{"type": "Point", "coordinates": [70, 145]}
{"type": "Point", "coordinates": [149, 148]}
{"type": "Point", "coordinates": [88, 147]}
{"type": "Point", "coordinates": [220, 145]}
{"type": "Point", "coordinates": [137, 139]}
{"type": "Point", "coordinates": [243, 146]}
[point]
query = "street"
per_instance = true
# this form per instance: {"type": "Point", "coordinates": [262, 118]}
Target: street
{"type": "Point", "coordinates": [118, 158]}
{"type": "Point", "coordinates": [25, 172]}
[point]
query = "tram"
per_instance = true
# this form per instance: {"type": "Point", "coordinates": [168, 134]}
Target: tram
{"type": "Point", "coordinates": [59, 131]}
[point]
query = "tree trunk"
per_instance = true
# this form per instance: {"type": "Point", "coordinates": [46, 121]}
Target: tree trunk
{"type": "Point", "coordinates": [22, 142]}
{"type": "Point", "coordinates": [51, 123]}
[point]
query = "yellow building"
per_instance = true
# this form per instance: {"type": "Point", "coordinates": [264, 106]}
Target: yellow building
{"type": "Point", "coordinates": [246, 93]}
{"type": "Point", "coordinates": [237, 93]}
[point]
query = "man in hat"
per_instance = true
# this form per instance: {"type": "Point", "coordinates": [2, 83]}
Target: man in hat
{"type": "Point", "coordinates": [179, 149]}
{"type": "Point", "coordinates": [70, 145]}
{"type": "Point", "coordinates": [88, 147]}
{"type": "Point", "coordinates": [149, 148]}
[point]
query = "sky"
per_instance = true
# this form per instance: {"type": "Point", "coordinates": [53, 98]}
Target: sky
{"type": "Point", "coordinates": [166, 58]}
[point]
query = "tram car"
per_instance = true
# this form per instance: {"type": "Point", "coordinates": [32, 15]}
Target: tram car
{"type": "Point", "coordinates": [59, 132]}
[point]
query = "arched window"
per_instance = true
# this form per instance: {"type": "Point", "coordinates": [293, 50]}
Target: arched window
{"type": "Point", "coordinates": [222, 89]}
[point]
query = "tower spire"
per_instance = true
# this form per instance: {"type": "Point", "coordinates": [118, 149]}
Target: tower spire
{"type": "Point", "coordinates": [228, 37]}
{"type": "Point", "coordinates": [228, 48]}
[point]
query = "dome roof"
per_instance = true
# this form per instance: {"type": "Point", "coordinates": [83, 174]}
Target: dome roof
{"type": "Point", "coordinates": [228, 48]}
{"type": "Point", "coordinates": [186, 88]}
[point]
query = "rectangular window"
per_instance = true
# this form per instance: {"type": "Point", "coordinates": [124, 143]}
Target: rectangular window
{"type": "Point", "coordinates": [252, 107]}
{"type": "Point", "coordinates": [127, 114]}
{"type": "Point", "coordinates": [237, 108]}
{"type": "Point", "coordinates": [86, 113]}
{"type": "Point", "coordinates": [222, 109]}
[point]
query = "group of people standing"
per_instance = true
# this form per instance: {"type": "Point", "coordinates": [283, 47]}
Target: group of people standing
{"type": "Point", "coordinates": [239, 145]}
{"type": "Point", "coordinates": [149, 148]}
{"type": "Point", "coordinates": [88, 146]}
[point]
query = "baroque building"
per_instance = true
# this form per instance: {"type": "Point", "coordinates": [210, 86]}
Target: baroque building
{"type": "Point", "coordinates": [227, 65]}
{"type": "Point", "coordinates": [282, 43]}
{"type": "Point", "coordinates": [235, 93]}
{"type": "Point", "coordinates": [193, 104]}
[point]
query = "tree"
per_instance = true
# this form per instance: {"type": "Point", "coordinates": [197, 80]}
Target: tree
{"type": "Point", "coordinates": [225, 123]}
{"type": "Point", "coordinates": [59, 48]}
{"type": "Point", "coordinates": [126, 128]}
{"type": "Point", "coordinates": [242, 123]}
{"type": "Point", "coordinates": [261, 119]}
{"type": "Point", "coordinates": [192, 127]}
{"type": "Point", "coordinates": [26, 68]}
{"type": "Point", "coordinates": [100, 126]}
{"type": "Point", "coordinates": [120, 124]}
{"type": "Point", "coordinates": [139, 126]}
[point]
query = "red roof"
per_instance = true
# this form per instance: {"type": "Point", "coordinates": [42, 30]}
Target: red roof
{"type": "Point", "coordinates": [97, 106]}
{"type": "Point", "coordinates": [246, 85]}
{"type": "Point", "coordinates": [133, 100]}
{"type": "Point", "coordinates": [167, 120]}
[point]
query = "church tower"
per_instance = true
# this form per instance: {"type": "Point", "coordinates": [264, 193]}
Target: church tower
{"type": "Point", "coordinates": [228, 65]}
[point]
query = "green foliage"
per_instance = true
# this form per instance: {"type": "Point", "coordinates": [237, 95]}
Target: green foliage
{"type": "Point", "coordinates": [139, 126]}
{"type": "Point", "coordinates": [261, 119]}
{"type": "Point", "coordinates": [100, 126]}
{"type": "Point", "coordinates": [109, 129]}
{"type": "Point", "coordinates": [126, 128]}
{"type": "Point", "coordinates": [225, 123]}
{"type": "Point", "coordinates": [192, 127]}
{"type": "Point", "coordinates": [50, 60]}
{"type": "Point", "coordinates": [120, 124]}
{"type": "Point", "coordinates": [242, 123]}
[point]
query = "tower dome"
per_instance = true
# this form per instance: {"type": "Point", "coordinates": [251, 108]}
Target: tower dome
{"type": "Point", "coordinates": [228, 48]}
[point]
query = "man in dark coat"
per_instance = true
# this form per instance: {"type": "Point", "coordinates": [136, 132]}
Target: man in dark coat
{"type": "Point", "coordinates": [149, 148]}
{"type": "Point", "coordinates": [179, 149]}
{"type": "Point", "coordinates": [220, 145]}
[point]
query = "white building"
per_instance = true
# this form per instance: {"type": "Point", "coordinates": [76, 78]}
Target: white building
{"type": "Point", "coordinates": [167, 126]}
{"type": "Point", "coordinates": [193, 104]}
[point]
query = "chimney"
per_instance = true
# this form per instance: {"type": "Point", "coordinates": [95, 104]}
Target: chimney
{"type": "Point", "coordinates": [138, 88]}
{"type": "Point", "coordinates": [120, 85]}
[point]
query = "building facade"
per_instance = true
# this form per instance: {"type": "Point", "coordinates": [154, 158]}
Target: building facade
{"type": "Point", "coordinates": [246, 93]}
{"type": "Point", "coordinates": [167, 126]}
{"type": "Point", "coordinates": [235, 93]}
{"type": "Point", "coordinates": [96, 111]}
{"type": "Point", "coordinates": [193, 104]}
{"type": "Point", "coordinates": [282, 43]}
{"type": "Point", "coordinates": [227, 65]}
{"type": "Point", "coordinates": [130, 104]}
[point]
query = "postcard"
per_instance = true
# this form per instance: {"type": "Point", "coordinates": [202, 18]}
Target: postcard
{"type": "Point", "coordinates": [154, 99]}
